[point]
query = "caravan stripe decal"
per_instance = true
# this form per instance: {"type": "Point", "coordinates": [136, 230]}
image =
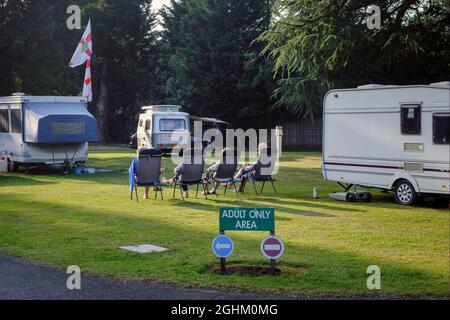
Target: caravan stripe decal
{"type": "Point", "coordinates": [380, 166]}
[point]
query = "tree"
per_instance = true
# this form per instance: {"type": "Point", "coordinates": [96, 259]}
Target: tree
{"type": "Point", "coordinates": [214, 69]}
{"type": "Point", "coordinates": [319, 45]}
{"type": "Point", "coordinates": [36, 46]}
{"type": "Point", "coordinates": [121, 66]}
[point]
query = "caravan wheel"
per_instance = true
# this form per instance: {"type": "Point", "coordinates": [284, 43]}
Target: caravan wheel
{"type": "Point", "coordinates": [405, 193]}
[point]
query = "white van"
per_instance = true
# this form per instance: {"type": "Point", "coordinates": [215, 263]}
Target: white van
{"type": "Point", "coordinates": [37, 130]}
{"type": "Point", "coordinates": [163, 127]}
{"type": "Point", "coordinates": [389, 137]}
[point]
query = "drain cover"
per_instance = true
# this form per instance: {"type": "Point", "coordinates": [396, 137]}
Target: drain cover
{"type": "Point", "coordinates": [144, 248]}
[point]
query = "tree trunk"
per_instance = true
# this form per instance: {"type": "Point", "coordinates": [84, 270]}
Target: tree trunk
{"type": "Point", "coordinates": [102, 106]}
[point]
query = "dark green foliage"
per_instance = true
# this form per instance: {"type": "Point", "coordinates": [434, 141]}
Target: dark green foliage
{"type": "Point", "coordinates": [319, 45]}
{"type": "Point", "coordinates": [122, 67]}
{"type": "Point", "coordinates": [206, 57]}
{"type": "Point", "coordinates": [214, 68]}
{"type": "Point", "coordinates": [36, 47]}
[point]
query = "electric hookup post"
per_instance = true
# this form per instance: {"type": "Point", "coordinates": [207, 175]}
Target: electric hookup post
{"type": "Point", "coordinates": [247, 219]}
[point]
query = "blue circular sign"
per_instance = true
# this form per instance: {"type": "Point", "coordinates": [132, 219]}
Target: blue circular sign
{"type": "Point", "coordinates": [222, 246]}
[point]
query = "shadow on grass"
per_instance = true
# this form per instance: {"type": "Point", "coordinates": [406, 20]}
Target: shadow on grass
{"type": "Point", "coordinates": [91, 238]}
{"type": "Point", "coordinates": [311, 204]}
{"type": "Point", "coordinates": [21, 180]}
{"type": "Point", "coordinates": [218, 202]}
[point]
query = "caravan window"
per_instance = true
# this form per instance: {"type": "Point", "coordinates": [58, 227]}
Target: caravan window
{"type": "Point", "coordinates": [16, 121]}
{"type": "Point", "coordinates": [441, 128]}
{"type": "Point", "coordinates": [411, 119]}
{"type": "Point", "coordinates": [171, 125]}
{"type": "Point", "coordinates": [148, 125]}
{"type": "Point", "coordinates": [63, 128]}
{"type": "Point", "coordinates": [4, 121]}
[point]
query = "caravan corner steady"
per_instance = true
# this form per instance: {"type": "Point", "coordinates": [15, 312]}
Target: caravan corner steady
{"type": "Point", "coordinates": [37, 130]}
{"type": "Point", "coordinates": [389, 137]}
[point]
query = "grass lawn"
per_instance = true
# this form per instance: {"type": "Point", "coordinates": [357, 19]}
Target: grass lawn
{"type": "Point", "coordinates": [82, 220]}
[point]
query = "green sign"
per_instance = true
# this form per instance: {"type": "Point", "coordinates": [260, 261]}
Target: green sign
{"type": "Point", "coordinates": [247, 219]}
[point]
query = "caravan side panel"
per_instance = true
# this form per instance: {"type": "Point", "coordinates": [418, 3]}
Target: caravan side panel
{"type": "Point", "coordinates": [363, 142]}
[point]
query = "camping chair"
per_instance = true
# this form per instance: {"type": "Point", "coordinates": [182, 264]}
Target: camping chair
{"type": "Point", "coordinates": [149, 172]}
{"type": "Point", "coordinates": [225, 175]}
{"type": "Point", "coordinates": [226, 171]}
{"type": "Point", "coordinates": [192, 174]}
{"type": "Point", "coordinates": [263, 174]}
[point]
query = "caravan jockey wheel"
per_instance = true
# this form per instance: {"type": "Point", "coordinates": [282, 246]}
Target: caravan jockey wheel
{"type": "Point", "coordinates": [404, 193]}
{"type": "Point", "coordinates": [13, 166]}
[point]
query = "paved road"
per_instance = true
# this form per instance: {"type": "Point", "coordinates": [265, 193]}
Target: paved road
{"type": "Point", "coordinates": [25, 280]}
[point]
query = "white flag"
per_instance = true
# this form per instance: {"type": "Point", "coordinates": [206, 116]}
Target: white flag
{"type": "Point", "coordinates": [83, 54]}
{"type": "Point", "coordinates": [84, 48]}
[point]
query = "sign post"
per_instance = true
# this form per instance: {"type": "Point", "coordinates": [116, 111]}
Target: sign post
{"type": "Point", "coordinates": [247, 219]}
{"type": "Point", "coordinates": [222, 247]}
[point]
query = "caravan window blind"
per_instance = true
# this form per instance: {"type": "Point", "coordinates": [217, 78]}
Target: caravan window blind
{"type": "Point", "coordinates": [4, 121]}
{"type": "Point", "coordinates": [58, 128]}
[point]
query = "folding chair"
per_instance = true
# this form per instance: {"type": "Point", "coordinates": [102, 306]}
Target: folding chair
{"type": "Point", "coordinates": [257, 177]}
{"type": "Point", "coordinates": [263, 173]}
{"type": "Point", "coordinates": [192, 174]}
{"type": "Point", "coordinates": [149, 171]}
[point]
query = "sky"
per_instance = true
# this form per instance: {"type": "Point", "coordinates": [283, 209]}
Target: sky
{"type": "Point", "coordinates": [157, 4]}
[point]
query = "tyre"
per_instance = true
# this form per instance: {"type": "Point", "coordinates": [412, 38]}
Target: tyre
{"type": "Point", "coordinates": [369, 197]}
{"type": "Point", "coordinates": [351, 197]}
{"type": "Point", "coordinates": [404, 193]}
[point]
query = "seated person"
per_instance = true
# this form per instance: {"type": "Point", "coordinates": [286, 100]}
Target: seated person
{"type": "Point", "coordinates": [178, 171]}
{"type": "Point", "coordinates": [211, 171]}
{"type": "Point", "coordinates": [249, 169]}
{"type": "Point", "coordinates": [134, 174]}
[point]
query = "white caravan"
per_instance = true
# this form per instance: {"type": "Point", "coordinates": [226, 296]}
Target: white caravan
{"type": "Point", "coordinates": [163, 127]}
{"type": "Point", "coordinates": [37, 130]}
{"type": "Point", "coordinates": [389, 137]}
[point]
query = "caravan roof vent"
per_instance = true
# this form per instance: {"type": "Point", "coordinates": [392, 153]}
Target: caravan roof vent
{"type": "Point", "coordinates": [371, 86]}
{"type": "Point", "coordinates": [18, 94]}
{"type": "Point", "coordinates": [162, 108]}
{"type": "Point", "coordinates": [441, 84]}
{"type": "Point", "coordinates": [376, 86]}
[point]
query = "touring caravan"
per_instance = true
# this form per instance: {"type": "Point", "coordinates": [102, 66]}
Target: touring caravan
{"type": "Point", "coordinates": [163, 127]}
{"type": "Point", "coordinates": [38, 130]}
{"type": "Point", "coordinates": [389, 137]}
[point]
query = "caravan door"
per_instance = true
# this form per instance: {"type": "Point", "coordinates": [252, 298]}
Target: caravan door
{"type": "Point", "coordinates": [144, 132]}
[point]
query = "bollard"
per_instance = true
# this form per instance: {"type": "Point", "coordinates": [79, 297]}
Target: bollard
{"type": "Point", "coordinates": [315, 195]}
{"type": "Point", "coordinates": [279, 141]}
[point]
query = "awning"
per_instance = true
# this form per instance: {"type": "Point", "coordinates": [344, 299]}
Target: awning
{"type": "Point", "coordinates": [211, 120]}
{"type": "Point", "coordinates": [46, 122]}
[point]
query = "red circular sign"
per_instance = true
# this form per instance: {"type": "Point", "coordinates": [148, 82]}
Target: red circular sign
{"type": "Point", "coordinates": [272, 247]}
